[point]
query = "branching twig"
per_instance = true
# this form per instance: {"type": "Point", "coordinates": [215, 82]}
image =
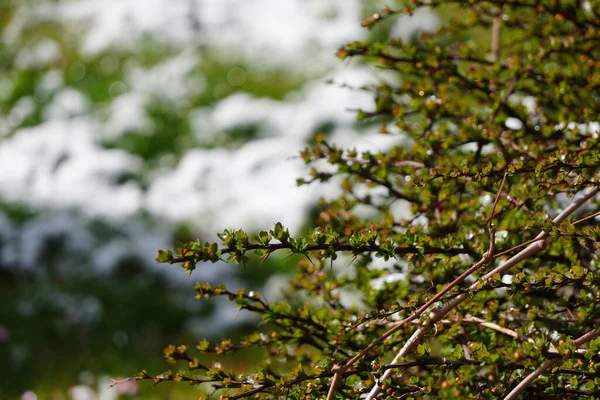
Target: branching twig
{"type": "Point", "coordinates": [487, 257]}
{"type": "Point", "coordinates": [369, 248]}
{"type": "Point", "coordinates": [439, 312]}
{"type": "Point", "coordinates": [591, 335]}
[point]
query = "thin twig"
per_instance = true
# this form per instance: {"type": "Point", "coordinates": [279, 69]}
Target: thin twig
{"type": "Point", "coordinates": [586, 218]}
{"type": "Point", "coordinates": [130, 379]}
{"type": "Point", "coordinates": [496, 327]}
{"type": "Point", "coordinates": [463, 343]}
{"type": "Point", "coordinates": [367, 248]}
{"type": "Point", "coordinates": [486, 324]}
{"type": "Point", "coordinates": [496, 24]}
{"type": "Point", "coordinates": [491, 219]}
{"type": "Point", "coordinates": [517, 247]}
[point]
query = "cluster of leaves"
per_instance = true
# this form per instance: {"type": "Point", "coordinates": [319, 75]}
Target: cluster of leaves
{"type": "Point", "coordinates": [502, 149]}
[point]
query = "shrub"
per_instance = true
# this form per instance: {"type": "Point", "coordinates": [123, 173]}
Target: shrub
{"type": "Point", "coordinates": [489, 288]}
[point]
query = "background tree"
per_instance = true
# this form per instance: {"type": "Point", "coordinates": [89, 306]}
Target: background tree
{"type": "Point", "coordinates": [489, 288]}
{"type": "Point", "coordinates": [105, 112]}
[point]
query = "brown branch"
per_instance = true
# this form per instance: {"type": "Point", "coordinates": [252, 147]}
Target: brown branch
{"type": "Point", "coordinates": [480, 364]}
{"type": "Point", "coordinates": [537, 239]}
{"type": "Point", "coordinates": [496, 327]}
{"type": "Point", "coordinates": [491, 219]}
{"type": "Point", "coordinates": [586, 218]}
{"type": "Point", "coordinates": [257, 389]}
{"type": "Point", "coordinates": [496, 24]}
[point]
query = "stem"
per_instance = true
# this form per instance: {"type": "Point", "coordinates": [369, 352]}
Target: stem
{"type": "Point", "coordinates": [496, 39]}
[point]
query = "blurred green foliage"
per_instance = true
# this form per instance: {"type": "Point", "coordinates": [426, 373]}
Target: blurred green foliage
{"type": "Point", "coordinates": [51, 346]}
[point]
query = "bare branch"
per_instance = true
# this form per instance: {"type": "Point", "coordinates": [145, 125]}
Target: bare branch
{"type": "Point", "coordinates": [501, 329]}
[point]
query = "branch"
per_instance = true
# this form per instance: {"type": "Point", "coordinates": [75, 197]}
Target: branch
{"type": "Point", "coordinates": [487, 258]}
{"type": "Point", "coordinates": [437, 313]}
{"type": "Point", "coordinates": [591, 335]}
{"type": "Point", "coordinates": [496, 327]}
{"type": "Point", "coordinates": [370, 248]}
{"type": "Point", "coordinates": [496, 39]}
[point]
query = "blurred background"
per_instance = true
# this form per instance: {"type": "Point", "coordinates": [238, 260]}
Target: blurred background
{"type": "Point", "coordinates": [126, 125]}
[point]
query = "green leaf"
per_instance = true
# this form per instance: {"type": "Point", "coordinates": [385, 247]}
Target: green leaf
{"type": "Point", "coordinates": [164, 256]}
